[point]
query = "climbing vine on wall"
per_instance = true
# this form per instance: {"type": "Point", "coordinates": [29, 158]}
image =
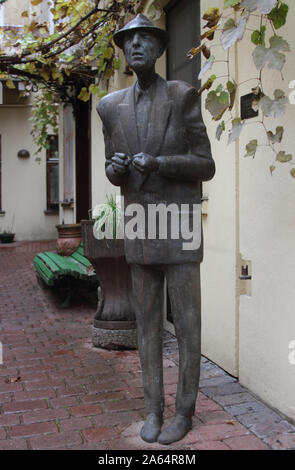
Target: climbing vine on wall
{"type": "Point", "coordinates": [269, 55]}
{"type": "Point", "coordinates": [70, 56]}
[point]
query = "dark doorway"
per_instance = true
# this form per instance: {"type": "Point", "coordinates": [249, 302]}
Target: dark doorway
{"type": "Point", "coordinates": [183, 25]}
{"type": "Point", "coordinates": [83, 159]}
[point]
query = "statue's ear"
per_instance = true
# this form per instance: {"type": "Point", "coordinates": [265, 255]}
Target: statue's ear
{"type": "Point", "coordinates": [162, 47]}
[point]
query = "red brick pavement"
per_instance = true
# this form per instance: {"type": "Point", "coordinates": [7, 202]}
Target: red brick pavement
{"type": "Point", "coordinates": [58, 392]}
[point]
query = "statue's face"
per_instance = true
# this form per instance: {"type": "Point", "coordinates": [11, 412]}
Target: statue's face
{"type": "Point", "coordinates": [141, 50]}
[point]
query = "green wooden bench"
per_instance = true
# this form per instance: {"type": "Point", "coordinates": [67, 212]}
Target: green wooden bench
{"type": "Point", "coordinates": [52, 269]}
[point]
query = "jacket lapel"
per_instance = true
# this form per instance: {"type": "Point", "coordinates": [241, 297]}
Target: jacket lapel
{"type": "Point", "coordinates": [159, 118]}
{"type": "Point", "coordinates": [128, 121]}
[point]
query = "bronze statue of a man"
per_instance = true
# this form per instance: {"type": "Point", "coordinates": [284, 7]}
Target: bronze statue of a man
{"type": "Point", "coordinates": [158, 152]}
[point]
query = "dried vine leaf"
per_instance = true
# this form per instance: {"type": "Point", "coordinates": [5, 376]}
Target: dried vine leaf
{"type": "Point", "coordinates": [251, 148]}
{"type": "Point", "coordinates": [209, 34]}
{"type": "Point", "coordinates": [237, 127]}
{"type": "Point", "coordinates": [232, 32]}
{"type": "Point", "coordinates": [277, 137]}
{"type": "Point", "coordinates": [220, 129]}
{"type": "Point", "coordinates": [207, 85]}
{"type": "Point", "coordinates": [272, 169]}
{"type": "Point", "coordinates": [264, 6]}
{"type": "Point", "coordinates": [207, 66]}
{"type": "Point", "coordinates": [232, 89]}
{"type": "Point", "coordinates": [155, 11]}
{"type": "Point", "coordinates": [272, 56]}
{"type": "Point", "coordinates": [276, 107]}
{"type": "Point", "coordinates": [283, 157]}
{"type": "Point", "coordinates": [217, 103]}
{"type": "Point", "coordinates": [194, 51]}
{"type": "Point", "coordinates": [212, 16]}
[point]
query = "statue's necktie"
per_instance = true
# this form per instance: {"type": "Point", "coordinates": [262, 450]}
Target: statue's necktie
{"type": "Point", "coordinates": [143, 108]}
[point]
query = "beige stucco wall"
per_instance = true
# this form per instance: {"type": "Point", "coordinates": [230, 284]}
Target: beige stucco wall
{"type": "Point", "coordinates": [23, 180]}
{"type": "Point", "coordinates": [267, 233]}
{"type": "Point", "coordinates": [11, 12]}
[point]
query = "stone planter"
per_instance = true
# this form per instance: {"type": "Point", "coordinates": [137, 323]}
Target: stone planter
{"type": "Point", "coordinates": [69, 238]}
{"type": "Point", "coordinates": [114, 324]}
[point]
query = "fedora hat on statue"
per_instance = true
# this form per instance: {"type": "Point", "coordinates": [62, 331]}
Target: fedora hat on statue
{"type": "Point", "coordinates": [141, 23]}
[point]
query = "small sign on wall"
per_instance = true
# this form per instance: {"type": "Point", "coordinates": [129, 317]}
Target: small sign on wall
{"type": "Point", "coordinates": [247, 112]}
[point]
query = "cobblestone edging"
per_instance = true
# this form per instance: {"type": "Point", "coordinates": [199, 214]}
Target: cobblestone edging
{"type": "Point", "coordinates": [268, 425]}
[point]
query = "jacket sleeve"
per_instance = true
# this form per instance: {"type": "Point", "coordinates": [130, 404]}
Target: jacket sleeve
{"type": "Point", "coordinates": [198, 163]}
{"type": "Point", "coordinates": [114, 178]}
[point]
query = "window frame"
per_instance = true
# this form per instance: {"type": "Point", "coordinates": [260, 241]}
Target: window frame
{"type": "Point", "coordinates": [51, 162]}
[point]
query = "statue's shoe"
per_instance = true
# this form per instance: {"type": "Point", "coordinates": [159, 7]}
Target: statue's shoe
{"type": "Point", "coordinates": [176, 430]}
{"type": "Point", "coordinates": [151, 428]}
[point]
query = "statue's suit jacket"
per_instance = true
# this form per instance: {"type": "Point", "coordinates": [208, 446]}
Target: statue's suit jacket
{"type": "Point", "coordinates": [177, 137]}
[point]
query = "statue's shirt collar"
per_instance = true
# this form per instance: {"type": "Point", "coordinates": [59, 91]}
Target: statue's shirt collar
{"type": "Point", "coordinates": [148, 92]}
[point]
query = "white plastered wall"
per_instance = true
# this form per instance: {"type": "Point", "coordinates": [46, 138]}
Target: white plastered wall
{"type": "Point", "coordinates": [267, 229]}
{"type": "Point", "coordinates": [23, 180]}
{"type": "Point", "coordinates": [219, 307]}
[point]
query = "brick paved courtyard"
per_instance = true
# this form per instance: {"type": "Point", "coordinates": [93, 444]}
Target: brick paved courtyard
{"type": "Point", "coordinates": [58, 392]}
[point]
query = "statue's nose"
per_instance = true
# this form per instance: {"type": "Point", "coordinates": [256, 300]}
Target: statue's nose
{"type": "Point", "coordinates": [136, 40]}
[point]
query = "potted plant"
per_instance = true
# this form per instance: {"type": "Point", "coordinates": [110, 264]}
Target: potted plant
{"type": "Point", "coordinates": [114, 322]}
{"type": "Point", "coordinates": [7, 236]}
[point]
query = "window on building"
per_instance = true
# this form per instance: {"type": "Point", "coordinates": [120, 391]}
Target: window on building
{"type": "Point", "coordinates": [52, 161]}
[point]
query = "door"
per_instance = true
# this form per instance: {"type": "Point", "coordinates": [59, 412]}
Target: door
{"type": "Point", "coordinates": [183, 26]}
{"type": "Point", "coordinates": [83, 159]}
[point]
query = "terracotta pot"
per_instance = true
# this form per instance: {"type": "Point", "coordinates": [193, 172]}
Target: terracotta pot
{"type": "Point", "coordinates": [69, 238]}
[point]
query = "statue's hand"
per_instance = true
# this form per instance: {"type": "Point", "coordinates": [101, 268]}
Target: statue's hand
{"type": "Point", "coordinates": [145, 163]}
{"type": "Point", "coordinates": [120, 163]}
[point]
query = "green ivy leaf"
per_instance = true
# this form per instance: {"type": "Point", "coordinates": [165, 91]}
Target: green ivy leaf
{"type": "Point", "coordinates": [251, 148]}
{"type": "Point", "coordinates": [217, 103]}
{"type": "Point", "coordinates": [84, 95]}
{"type": "Point", "coordinates": [9, 83]}
{"type": "Point", "coordinates": [230, 3]}
{"type": "Point", "coordinates": [293, 172]}
{"type": "Point", "coordinates": [283, 157]}
{"type": "Point", "coordinates": [278, 15]}
{"type": "Point", "coordinates": [258, 37]}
